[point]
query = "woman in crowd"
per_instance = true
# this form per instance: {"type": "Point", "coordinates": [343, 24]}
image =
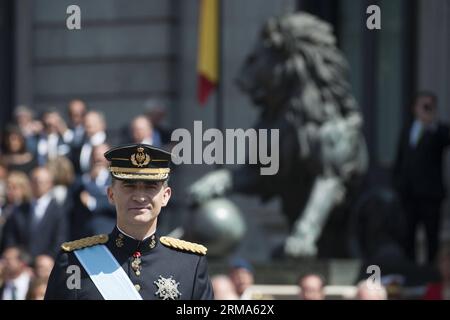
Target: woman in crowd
{"type": "Point", "coordinates": [18, 191]}
{"type": "Point", "coordinates": [14, 151]}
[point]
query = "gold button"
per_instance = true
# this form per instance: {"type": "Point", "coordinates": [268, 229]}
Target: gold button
{"type": "Point", "coordinates": [138, 287]}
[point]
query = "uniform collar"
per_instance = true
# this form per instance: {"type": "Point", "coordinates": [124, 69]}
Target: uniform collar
{"type": "Point", "coordinates": [121, 241]}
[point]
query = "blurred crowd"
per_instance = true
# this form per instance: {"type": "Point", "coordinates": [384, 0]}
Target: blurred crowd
{"type": "Point", "coordinates": [53, 180]}
{"type": "Point", "coordinates": [239, 282]}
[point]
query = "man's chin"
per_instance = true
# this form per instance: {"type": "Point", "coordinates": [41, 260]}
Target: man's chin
{"type": "Point", "coordinates": [142, 218]}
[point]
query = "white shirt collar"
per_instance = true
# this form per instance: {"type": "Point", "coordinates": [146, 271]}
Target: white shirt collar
{"type": "Point", "coordinates": [44, 199]}
{"type": "Point", "coordinates": [21, 283]}
{"type": "Point", "coordinates": [40, 205]}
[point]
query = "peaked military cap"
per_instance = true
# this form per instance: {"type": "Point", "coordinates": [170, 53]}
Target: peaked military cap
{"type": "Point", "coordinates": [139, 162]}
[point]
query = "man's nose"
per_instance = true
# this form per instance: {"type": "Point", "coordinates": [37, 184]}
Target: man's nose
{"type": "Point", "coordinates": [140, 197]}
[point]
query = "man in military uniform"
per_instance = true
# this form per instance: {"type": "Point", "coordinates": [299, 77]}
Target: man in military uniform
{"type": "Point", "coordinates": [133, 261]}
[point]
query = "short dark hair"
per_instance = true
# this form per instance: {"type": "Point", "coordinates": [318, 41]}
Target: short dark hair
{"type": "Point", "coordinates": [23, 254]}
{"type": "Point", "coordinates": [12, 129]}
{"type": "Point", "coordinates": [426, 93]}
{"type": "Point", "coordinates": [310, 274]}
{"type": "Point", "coordinates": [49, 111]}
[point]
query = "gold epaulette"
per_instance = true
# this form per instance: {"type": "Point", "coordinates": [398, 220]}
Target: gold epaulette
{"type": "Point", "coordinates": [84, 242]}
{"type": "Point", "coordinates": [183, 245]}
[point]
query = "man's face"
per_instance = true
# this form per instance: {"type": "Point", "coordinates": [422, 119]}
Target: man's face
{"type": "Point", "coordinates": [77, 109]}
{"type": "Point", "coordinates": [138, 202]}
{"type": "Point", "coordinates": [141, 129]}
{"type": "Point", "coordinates": [14, 191]}
{"type": "Point", "coordinates": [23, 118]}
{"type": "Point", "coordinates": [51, 122]}
{"type": "Point", "coordinates": [242, 279]}
{"type": "Point", "coordinates": [425, 109]}
{"type": "Point", "coordinates": [41, 182]}
{"type": "Point", "coordinates": [93, 124]}
{"type": "Point", "coordinates": [312, 288]}
{"type": "Point", "coordinates": [98, 157]}
{"type": "Point", "coordinates": [13, 266]}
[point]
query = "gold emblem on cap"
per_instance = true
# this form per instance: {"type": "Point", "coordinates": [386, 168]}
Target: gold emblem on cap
{"type": "Point", "coordinates": [140, 159]}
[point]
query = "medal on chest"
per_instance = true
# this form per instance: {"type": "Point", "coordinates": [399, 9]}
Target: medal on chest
{"type": "Point", "coordinates": [167, 288]}
{"type": "Point", "coordinates": [136, 263]}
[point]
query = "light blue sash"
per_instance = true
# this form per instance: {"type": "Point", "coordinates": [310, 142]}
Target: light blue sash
{"type": "Point", "coordinates": [106, 273]}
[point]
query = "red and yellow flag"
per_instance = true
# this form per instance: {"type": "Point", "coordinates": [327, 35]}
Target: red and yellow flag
{"type": "Point", "coordinates": [208, 49]}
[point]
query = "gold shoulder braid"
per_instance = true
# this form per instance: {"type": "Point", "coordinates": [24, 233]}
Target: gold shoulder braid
{"type": "Point", "coordinates": [84, 242]}
{"type": "Point", "coordinates": [183, 245]}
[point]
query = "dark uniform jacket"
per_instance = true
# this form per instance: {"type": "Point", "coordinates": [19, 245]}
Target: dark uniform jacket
{"type": "Point", "coordinates": [184, 265]}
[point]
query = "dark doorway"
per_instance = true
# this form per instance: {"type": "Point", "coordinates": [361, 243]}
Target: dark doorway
{"type": "Point", "coordinates": [6, 60]}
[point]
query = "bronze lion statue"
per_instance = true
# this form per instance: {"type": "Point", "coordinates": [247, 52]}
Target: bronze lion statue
{"type": "Point", "coordinates": [299, 79]}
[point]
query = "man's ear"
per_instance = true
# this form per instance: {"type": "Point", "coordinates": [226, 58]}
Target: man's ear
{"type": "Point", "coordinates": [166, 196]}
{"type": "Point", "coordinates": [110, 195]}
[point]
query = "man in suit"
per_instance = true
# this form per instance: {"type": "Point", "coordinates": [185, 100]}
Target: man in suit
{"type": "Point", "coordinates": [16, 274]}
{"type": "Point", "coordinates": [418, 172]}
{"type": "Point", "coordinates": [312, 287]}
{"type": "Point", "coordinates": [134, 261]}
{"type": "Point", "coordinates": [92, 212]}
{"type": "Point", "coordinates": [51, 143]}
{"type": "Point", "coordinates": [77, 110]}
{"type": "Point", "coordinates": [141, 131]}
{"type": "Point", "coordinates": [39, 226]}
{"type": "Point", "coordinates": [94, 126]}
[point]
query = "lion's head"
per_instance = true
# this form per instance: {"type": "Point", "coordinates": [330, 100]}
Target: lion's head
{"type": "Point", "coordinates": [296, 66]}
{"type": "Point", "coordinates": [297, 73]}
